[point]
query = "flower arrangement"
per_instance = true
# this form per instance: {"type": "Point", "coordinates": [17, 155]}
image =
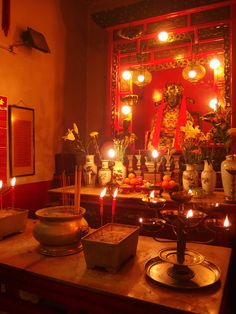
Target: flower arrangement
{"type": "Point", "coordinates": [121, 144]}
{"type": "Point", "coordinates": [73, 135]}
{"type": "Point", "coordinates": [220, 120]}
{"type": "Point", "coordinates": [190, 138]}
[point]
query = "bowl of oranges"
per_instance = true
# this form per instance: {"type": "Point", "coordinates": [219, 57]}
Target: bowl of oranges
{"type": "Point", "coordinates": [131, 183]}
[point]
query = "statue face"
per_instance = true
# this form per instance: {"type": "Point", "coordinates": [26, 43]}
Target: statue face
{"type": "Point", "coordinates": [173, 95]}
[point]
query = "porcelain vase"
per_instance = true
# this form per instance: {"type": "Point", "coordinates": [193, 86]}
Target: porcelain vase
{"type": "Point", "coordinates": [190, 177]}
{"type": "Point", "coordinates": [228, 176]}
{"type": "Point", "coordinates": [90, 171]}
{"type": "Point", "coordinates": [119, 172]}
{"type": "Point", "coordinates": [104, 173]}
{"type": "Point", "coordinates": [208, 178]}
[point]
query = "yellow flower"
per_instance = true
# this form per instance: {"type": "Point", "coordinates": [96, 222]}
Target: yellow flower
{"type": "Point", "coordinates": [75, 128]}
{"type": "Point", "coordinates": [190, 131]}
{"type": "Point", "coordinates": [93, 134]}
{"type": "Point", "coordinates": [69, 136]}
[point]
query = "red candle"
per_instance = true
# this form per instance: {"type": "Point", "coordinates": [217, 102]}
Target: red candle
{"type": "Point", "coordinates": [1, 185]}
{"type": "Point", "coordinates": [13, 183]}
{"type": "Point", "coordinates": [103, 193]}
{"type": "Point", "coordinates": [113, 205]}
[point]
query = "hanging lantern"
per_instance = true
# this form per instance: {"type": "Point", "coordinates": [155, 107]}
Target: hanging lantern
{"type": "Point", "coordinates": [142, 77]}
{"type": "Point", "coordinates": [194, 72]}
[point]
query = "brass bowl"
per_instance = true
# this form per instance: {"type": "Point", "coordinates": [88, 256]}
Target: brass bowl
{"type": "Point", "coordinates": [59, 230]}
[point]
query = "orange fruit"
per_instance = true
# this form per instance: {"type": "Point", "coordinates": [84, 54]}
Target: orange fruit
{"type": "Point", "coordinates": [126, 180]}
{"type": "Point", "coordinates": [133, 181]}
{"type": "Point", "coordinates": [165, 184]}
{"type": "Point", "coordinates": [172, 183]}
{"type": "Point", "coordinates": [131, 175]}
{"type": "Point", "coordinates": [166, 177]}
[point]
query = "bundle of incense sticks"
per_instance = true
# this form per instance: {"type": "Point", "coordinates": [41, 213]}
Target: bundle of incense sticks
{"type": "Point", "coordinates": [78, 176]}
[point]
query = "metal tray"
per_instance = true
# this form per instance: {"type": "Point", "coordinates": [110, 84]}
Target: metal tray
{"type": "Point", "coordinates": [191, 257]}
{"type": "Point", "coordinates": [205, 274]}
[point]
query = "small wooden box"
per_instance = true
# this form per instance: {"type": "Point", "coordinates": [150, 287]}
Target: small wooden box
{"type": "Point", "coordinates": [110, 246]}
{"type": "Point", "coordinates": [12, 221]}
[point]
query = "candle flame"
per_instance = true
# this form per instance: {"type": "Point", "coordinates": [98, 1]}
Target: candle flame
{"type": "Point", "coordinates": [226, 222]}
{"type": "Point", "coordinates": [13, 181]}
{"type": "Point", "coordinates": [190, 191]}
{"type": "Point", "coordinates": [115, 193]}
{"type": "Point", "coordinates": [1, 184]}
{"type": "Point", "coordinates": [189, 214]}
{"type": "Point", "coordinates": [152, 195]}
{"type": "Point", "coordinates": [141, 220]}
{"type": "Point", "coordinates": [103, 193]}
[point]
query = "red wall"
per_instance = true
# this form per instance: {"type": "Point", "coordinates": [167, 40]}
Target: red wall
{"type": "Point", "coordinates": [30, 196]}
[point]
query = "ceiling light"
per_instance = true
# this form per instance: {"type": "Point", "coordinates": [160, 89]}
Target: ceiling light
{"type": "Point", "coordinates": [214, 63]}
{"type": "Point", "coordinates": [142, 77]}
{"type": "Point", "coordinates": [126, 75]}
{"type": "Point", "coordinates": [163, 36]}
{"type": "Point", "coordinates": [194, 72]}
{"type": "Point", "coordinates": [126, 109]}
{"type": "Point", "coordinates": [213, 103]}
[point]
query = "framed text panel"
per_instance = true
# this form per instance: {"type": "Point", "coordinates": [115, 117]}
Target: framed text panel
{"type": "Point", "coordinates": [21, 141]}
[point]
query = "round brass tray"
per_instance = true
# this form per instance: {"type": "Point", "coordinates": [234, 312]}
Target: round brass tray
{"type": "Point", "coordinates": [191, 257]}
{"type": "Point", "coordinates": [205, 274]}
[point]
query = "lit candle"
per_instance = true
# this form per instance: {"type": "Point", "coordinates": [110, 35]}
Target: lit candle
{"type": "Point", "coordinates": [151, 196]}
{"type": "Point", "coordinates": [189, 213]}
{"type": "Point", "coordinates": [13, 183]}
{"type": "Point", "coordinates": [103, 193]}
{"type": "Point", "coordinates": [1, 185]}
{"type": "Point", "coordinates": [226, 222]}
{"type": "Point", "coordinates": [113, 205]}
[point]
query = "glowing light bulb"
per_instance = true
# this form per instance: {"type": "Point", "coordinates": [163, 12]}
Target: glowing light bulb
{"type": "Point", "coordinates": [163, 36]}
{"type": "Point", "coordinates": [111, 153]}
{"type": "Point", "coordinates": [126, 75]}
{"type": "Point", "coordinates": [192, 74]}
{"type": "Point", "coordinates": [141, 78]}
{"type": "Point", "coordinates": [157, 96]}
{"type": "Point", "coordinates": [214, 63]}
{"type": "Point", "coordinates": [154, 153]}
{"type": "Point", "coordinates": [213, 103]}
{"type": "Point", "coordinates": [126, 109]}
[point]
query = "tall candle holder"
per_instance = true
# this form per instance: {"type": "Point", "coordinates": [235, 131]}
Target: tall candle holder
{"type": "Point", "coordinates": [130, 163]}
{"type": "Point", "coordinates": [138, 171]}
{"type": "Point", "coordinates": [180, 266]}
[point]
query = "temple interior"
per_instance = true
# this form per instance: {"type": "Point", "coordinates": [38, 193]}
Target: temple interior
{"type": "Point", "coordinates": [118, 156]}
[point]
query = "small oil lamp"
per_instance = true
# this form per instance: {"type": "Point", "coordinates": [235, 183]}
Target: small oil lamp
{"type": "Point", "coordinates": [218, 224]}
{"type": "Point", "coordinates": [151, 225]}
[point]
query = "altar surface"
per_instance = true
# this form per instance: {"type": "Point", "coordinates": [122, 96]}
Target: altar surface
{"type": "Point", "coordinates": [68, 282]}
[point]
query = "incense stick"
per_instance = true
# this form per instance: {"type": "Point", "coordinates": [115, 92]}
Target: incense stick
{"type": "Point", "coordinates": [78, 176]}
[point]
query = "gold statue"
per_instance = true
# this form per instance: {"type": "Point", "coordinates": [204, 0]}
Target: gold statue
{"type": "Point", "coordinates": [171, 114]}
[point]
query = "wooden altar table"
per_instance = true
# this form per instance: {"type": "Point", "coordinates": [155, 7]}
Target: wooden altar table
{"type": "Point", "coordinates": [65, 285]}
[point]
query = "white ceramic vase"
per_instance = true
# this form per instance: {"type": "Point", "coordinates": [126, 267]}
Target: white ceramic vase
{"type": "Point", "coordinates": [119, 172]}
{"type": "Point", "coordinates": [104, 173]}
{"type": "Point", "coordinates": [190, 177]}
{"type": "Point", "coordinates": [228, 176]}
{"type": "Point", "coordinates": [90, 171]}
{"type": "Point", "coordinates": [208, 178]}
